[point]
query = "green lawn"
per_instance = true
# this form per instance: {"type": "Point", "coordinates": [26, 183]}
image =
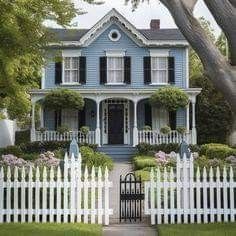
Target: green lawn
{"type": "Point", "coordinates": [227, 229]}
{"type": "Point", "coordinates": [50, 230]}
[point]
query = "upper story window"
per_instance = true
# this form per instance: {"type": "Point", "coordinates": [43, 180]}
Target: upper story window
{"type": "Point", "coordinates": [159, 70]}
{"type": "Point", "coordinates": [115, 70]}
{"type": "Point", "coordinates": [71, 70]}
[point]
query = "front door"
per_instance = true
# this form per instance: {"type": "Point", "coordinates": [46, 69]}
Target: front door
{"type": "Point", "coordinates": [116, 124]}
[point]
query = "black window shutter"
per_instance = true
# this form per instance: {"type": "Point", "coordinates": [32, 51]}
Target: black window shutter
{"type": "Point", "coordinates": [172, 120]}
{"type": "Point", "coordinates": [127, 70]}
{"type": "Point", "coordinates": [58, 72]}
{"type": "Point", "coordinates": [147, 70]}
{"type": "Point", "coordinates": [81, 118]}
{"type": "Point", "coordinates": [82, 70]}
{"type": "Point", "coordinates": [171, 70]}
{"type": "Point", "coordinates": [103, 70]}
{"type": "Point", "coordinates": [148, 114]}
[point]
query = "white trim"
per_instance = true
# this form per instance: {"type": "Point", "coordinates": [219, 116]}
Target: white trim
{"type": "Point", "coordinates": [115, 53]}
{"type": "Point", "coordinates": [71, 53]}
{"type": "Point", "coordinates": [115, 84]}
{"type": "Point", "coordinates": [187, 66]}
{"type": "Point", "coordinates": [68, 55]}
{"type": "Point", "coordinates": [155, 84]}
{"type": "Point", "coordinates": [159, 52]}
{"type": "Point", "coordinates": [118, 35]}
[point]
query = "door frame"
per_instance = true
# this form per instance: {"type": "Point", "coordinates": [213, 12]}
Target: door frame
{"type": "Point", "coordinates": [104, 119]}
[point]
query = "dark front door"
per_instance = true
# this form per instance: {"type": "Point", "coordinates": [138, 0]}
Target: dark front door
{"type": "Point", "coordinates": [115, 124]}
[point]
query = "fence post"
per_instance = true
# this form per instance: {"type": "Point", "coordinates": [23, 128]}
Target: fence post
{"type": "Point", "coordinates": [99, 196]}
{"type": "Point", "coordinates": [231, 185]}
{"type": "Point", "coordinates": [1, 193]}
{"type": "Point", "coordinates": [37, 194]}
{"type": "Point", "coordinates": [106, 198]}
{"type": "Point", "coordinates": [92, 195]}
{"type": "Point", "coordinates": [30, 195]}
{"type": "Point", "coordinates": [58, 197]}
{"type": "Point", "coordinates": [152, 197]}
{"type": "Point", "coordinates": [191, 188]}
{"type": "Point", "coordinates": [86, 183]}
{"type": "Point", "coordinates": [72, 186]}
{"type": "Point", "coordinates": [178, 187]}
{"type": "Point", "coordinates": [44, 217]}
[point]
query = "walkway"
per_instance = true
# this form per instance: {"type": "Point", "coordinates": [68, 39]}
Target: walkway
{"type": "Point", "coordinates": [116, 229]}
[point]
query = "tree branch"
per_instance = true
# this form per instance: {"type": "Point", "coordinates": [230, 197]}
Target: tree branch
{"type": "Point", "coordinates": [225, 15]}
{"type": "Point", "coordinates": [190, 4]}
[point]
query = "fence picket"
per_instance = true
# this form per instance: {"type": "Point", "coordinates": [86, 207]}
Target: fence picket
{"type": "Point", "coordinates": [172, 199]}
{"type": "Point", "coordinates": [15, 216]}
{"type": "Point", "coordinates": [204, 175]}
{"type": "Point", "coordinates": [166, 188]}
{"type": "Point", "coordinates": [51, 195]}
{"type": "Point", "coordinates": [93, 196]}
{"type": "Point", "coordinates": [37, 194]}
{"type": "Point", "coordinates": [198, 191]}
{"type": "Point", "coordinates": [225, 195]}
{"type": "Point", "coordinates": [211, 174]}
{"type": "Point", "coordinates": [86, 196]}
{"type": "Point", "coordinates": [106, 197]}
{"type": "Point", "coordinates": [1, 193]}
{"type": "Point", "coordinates": [232, 197]}
{"type": "Point", "coordinates": [72, 187]}
{"type": "Point", "coordinates": [78, 195]}
{"type": "Point", "coordinates": [58, 197]}
{"type": "Point", "coordinates": [191, 189]}
{"type": "Point", "coordinates": [65, 192]}
{"type": "Point", "coordinates": [158, 194]}
{"type": "Point", "coordinates": [99, 210]}
{"type": "Point", "coordinates": [44, 217]}
{"type": "Point", "coordinates": [218, 194]}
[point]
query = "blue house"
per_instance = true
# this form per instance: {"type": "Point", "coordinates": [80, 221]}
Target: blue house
{"type": "Point", "coordinates": [116, 67]}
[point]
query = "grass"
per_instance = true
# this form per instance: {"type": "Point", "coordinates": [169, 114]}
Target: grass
{"type": "Point", "coordinates": [217, 229]}
{"type": "Point", "coordinates": [34, 229]}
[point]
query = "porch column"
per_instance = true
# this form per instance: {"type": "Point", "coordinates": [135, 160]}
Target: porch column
{"type": "Point", "coordinates": [41, 113]}
{"type": "Point", "coordinates": [187, 123]}
{"type": "Point", "coordinates": [135, 128]}
{"type": "Point", "coordinates": [194, 131]}
{"type": "Point", "coordinates": [32, 133]}
{"type": "Point", "coordinates": [97, 131]}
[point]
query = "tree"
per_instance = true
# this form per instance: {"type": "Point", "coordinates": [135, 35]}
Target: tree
{"type": "Point", "coordinates": [221, 70]}
{"type": "Point", "coordinates": [171, 98]}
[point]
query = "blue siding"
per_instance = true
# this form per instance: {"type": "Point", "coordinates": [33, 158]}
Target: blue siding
{"type": "Point", "coordinates": [102, 43]}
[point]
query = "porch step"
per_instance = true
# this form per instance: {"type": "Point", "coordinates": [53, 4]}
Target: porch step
{"type": "Point", "coordinates": [118, 153]}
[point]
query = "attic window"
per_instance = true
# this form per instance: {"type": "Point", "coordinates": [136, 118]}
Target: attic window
{"type": "Point", "coordinates": [114, 35]}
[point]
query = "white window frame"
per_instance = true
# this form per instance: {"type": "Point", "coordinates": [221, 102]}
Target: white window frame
{"type": "Point", "coordinates": [159, 69]}
{"type": "Point", "coordinates": [70, 54]}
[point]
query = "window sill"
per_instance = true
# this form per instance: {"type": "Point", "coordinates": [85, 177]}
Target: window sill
{"type": "Point", "coordinates": [69, 84]}
{"type": "Point", "coordinates": [155, 84]}
{"type": "Point", "coordinates": [116, 84]}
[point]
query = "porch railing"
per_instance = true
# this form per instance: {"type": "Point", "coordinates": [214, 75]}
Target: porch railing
{"type": "Point", "coordinates": [155, 137]}
{"type": "Point", "coordinates": [67, 136]}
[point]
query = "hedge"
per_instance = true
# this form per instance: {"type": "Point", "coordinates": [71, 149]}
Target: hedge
{"type": "Point", "coordinates": [141, 162]}
{"type": "Point", "coordinates": [22, 136]}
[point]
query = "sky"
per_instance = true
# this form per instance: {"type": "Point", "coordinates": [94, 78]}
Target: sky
{"type": "Point", "coordinates": [140, 17]}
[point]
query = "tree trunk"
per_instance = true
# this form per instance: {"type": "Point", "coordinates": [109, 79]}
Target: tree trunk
{"type": "Point", "coordinates": [217, 68]}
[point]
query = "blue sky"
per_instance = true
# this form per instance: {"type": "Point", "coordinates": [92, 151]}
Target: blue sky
{"type": "Point", "coordinates": [140, 17]}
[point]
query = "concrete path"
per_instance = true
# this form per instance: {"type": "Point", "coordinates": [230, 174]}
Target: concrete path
{"type": "Point", "coordinates": [115, 228]}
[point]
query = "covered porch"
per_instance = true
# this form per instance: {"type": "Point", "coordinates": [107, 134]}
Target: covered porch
{"type": "Point", "coordinates": [116, 117]}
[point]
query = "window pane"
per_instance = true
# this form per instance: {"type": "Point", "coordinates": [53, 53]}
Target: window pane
{"type": "Point", "coordinates": [74, 75]}
{"type": "Point", "coordinates": [162, 65]}
{"type": "Point", "coordinates": [115, 67]}
{"type": "Point", "coordinates": [75, 62]}
{"type": "Point", "coordinates": [162, 76]}
{"type": "Point", "coordinates": [155, 76]}
{"type": "Point", "coordinates": [67, 76]}
{"type": "Point", "coordinates": [67, 62]}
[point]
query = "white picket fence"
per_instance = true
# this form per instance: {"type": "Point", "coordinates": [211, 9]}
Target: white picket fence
{"type": "Point", "coordinates": [52, 196]}
{"type": "Point", "coordinates": [188, 197]}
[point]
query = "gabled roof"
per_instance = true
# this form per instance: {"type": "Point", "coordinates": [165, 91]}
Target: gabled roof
{"type": "Point", "coordinates": [148, 37]}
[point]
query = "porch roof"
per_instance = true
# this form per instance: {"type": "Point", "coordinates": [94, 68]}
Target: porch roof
{"type": "Point", "coordinates": [98, 94]}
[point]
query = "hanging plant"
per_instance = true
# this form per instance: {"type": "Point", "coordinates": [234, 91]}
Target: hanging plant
{"type": "Point", "coordinates": [63, 99]}
{"type": "Point", "coordinates": [171, 98]}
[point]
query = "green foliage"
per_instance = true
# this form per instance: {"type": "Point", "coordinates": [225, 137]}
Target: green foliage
{"type": "Point", "coordinates": [147, 128]}
{"type": "Point", "coordinates": [23, 37]}
{"type": "Point", "coordinates": [213, 114]}
{"type": "Point", "coordinates": [148, 149]}
{"type": "Point", "coordinates": [92, 158]}
{"type": "Point", "coordinates": [84, 130]}
{"type": "Point", "coordinates": [63, 129]}
{"type": "Point", "coordinates": [217, 151]}
{"type": "Point", "coordinates": [181, 130]}
{"type": "Point", "coordinates": [165, 130]}
{"type": "Point", "coordinates": [141, 162]}
{"type": "Point", "coordinates": [171, 98]}
{"type": "Point", "coordinates": [63, 99]}
{"type": "Point", "coordinates": [143, 174]}
{"type": "Point", "coordinates": [14, 150]}
{"type": "Point", "coordinates": [22, 136]}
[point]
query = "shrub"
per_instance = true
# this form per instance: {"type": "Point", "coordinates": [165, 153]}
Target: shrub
{"type": "Point", "coordinates": [92, 158]}
{"type": "Point", "coordinates": [171, 98]}
{"type": "Point", "coordinates": [22, 137]}
{"type": "Point", "coordinates": [165, 130]}
{"type": "Point", "coordinates": [181, 130]}
{"type": "Point", "coordinates": [217, 150]}
{"type": "Point", "coordinates": [147, 128]}
{"type": "Point", "coordinates": [63, 129]}
{"type": "Point", "coordinates": [84, 130]}
{"type": "Point", "coordinates": [144, 174]}
{"type": "Point", "coordinates": [14, 150]}
{"type": "Point", "coordinates": [148, 149]}
{"type": "Point", "coordinates": [141, 162]}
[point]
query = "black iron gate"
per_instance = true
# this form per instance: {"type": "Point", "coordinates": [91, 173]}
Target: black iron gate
{"type": "Point", "coordinates": [131, 196]}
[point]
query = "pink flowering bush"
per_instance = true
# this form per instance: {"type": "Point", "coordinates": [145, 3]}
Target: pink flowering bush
{"type": "Point", "coordinates": [47, 159]}
{"type": "Point", "coordinates": [13, 161]}
{"type": "Point", "coordinates": [164, 159]}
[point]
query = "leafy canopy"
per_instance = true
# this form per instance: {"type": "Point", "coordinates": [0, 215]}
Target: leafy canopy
{"type": "Point", "coordinates": [63, 99]}
{"type": "Point", "coordinates": [171, 98]}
